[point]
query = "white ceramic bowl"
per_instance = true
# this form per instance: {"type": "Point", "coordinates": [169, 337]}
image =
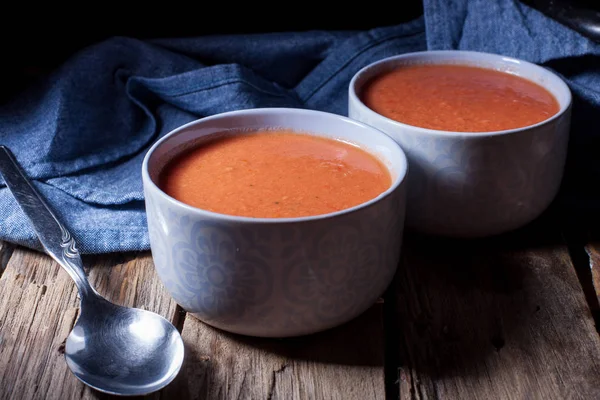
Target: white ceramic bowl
{"type": "Point", "coordinates": [276, 277]}
{"type": "Point", "coordinates": [475, 184]}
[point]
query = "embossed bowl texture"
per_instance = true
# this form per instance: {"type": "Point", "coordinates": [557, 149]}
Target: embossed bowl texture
{"type": "Point", "coordinates": [475, 184]}
{"type": "Point", "coordinates": [276, 277]}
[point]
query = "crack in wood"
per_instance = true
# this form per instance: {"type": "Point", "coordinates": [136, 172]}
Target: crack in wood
{"type": "Point", "coordinates": [179, 317]}
{"type": "Point", "coordinates": [413, 375]}
{"type": "Point", "coordinates": [593, 253]}
{"type": "Point", "coordinates": [405, 356]}
{"type": "Point", "coordinates": [274, 380]}
{"type": "Point", "coordinates": [582, 263]}
{"type": "Point", "coordinates": [242, 386]}
{"type": "Point", "coordinates": [84, 388]}
{"type": "Point", "coordinates": [62, 345]}
{"type": "Point", "coordinates": [391, 332]}
{"type": "Point", "coordinates": [6, 251]}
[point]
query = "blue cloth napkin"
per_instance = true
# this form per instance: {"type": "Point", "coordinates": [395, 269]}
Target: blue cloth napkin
{"type": "Point", "coordinates": [82, 133]}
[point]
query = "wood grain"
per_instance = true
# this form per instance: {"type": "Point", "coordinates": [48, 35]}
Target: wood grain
{"type": "Point", "coordinates": [38, 307]}
{"type": "Point", "coordinates": [503, 318]}
{"type": "Point", "coordinates": [342, 363]}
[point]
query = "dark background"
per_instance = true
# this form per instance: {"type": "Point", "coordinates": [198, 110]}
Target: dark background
{"type": "Point", "coordinates": [36, 39]}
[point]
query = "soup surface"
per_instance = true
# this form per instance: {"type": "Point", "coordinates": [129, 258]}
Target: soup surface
{"type": "Point", "coordinates": [458, 98]}
{"type": "Point", "coordinates": [275, 174]}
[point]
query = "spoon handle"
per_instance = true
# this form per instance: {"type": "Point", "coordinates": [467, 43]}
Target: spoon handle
{"type": "Point", "coordinates": [54, 237]}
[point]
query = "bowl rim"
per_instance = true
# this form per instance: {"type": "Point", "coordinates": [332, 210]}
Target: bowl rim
{"type": "Point", "coordinates": [149, 184]}
{"type": "Point", "coordinates": [355, 100]}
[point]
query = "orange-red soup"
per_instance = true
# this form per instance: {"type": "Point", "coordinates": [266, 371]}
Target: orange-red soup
{"type": "Point", "coordinates": [275, 174]}
{"type": "Point", "coordinates": [458, 98]}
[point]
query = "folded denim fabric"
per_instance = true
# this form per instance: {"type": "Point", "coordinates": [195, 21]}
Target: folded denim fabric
{"type": "Point", "coordinates": [81, 134]}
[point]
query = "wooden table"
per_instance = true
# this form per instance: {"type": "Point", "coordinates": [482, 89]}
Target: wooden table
{"type": "Point", "coordinates": [501, 318]}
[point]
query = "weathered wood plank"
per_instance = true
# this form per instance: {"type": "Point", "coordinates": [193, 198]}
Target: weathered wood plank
{"type": "Point", "coordinates": [342, 363]}
{"type": "Point", "coordinates": [502, 318]}
{"type": "Point", "coordinates": [38, 307]}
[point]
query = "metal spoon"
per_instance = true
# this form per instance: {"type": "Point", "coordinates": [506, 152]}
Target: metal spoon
{"type": "Point", "coordinates": [114, 349]}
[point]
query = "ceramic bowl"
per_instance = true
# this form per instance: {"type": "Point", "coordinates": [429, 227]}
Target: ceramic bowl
{"type": "Point", "coordinates": [475, 184]}
{"type": "Point", "coordinates": [276, 277]}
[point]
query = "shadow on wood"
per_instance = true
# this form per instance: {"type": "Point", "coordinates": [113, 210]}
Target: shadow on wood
{"type": "Point", "coordinates": [452, 296]}
{"type": "Point", "coordinates": [358, 342]}
{"type": "Point", "coordinates": [502, 317]}
{"type": "Point", "coordinates": [342, 363]}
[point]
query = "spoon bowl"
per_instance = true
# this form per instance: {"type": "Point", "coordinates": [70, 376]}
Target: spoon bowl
{"type": "Point", "coordinates": [120, 350]}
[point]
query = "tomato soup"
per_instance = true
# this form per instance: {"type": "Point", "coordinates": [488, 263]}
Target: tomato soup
{"type": "Point", "coordinates": [458, 98]}
{"type": "Point", "coordinates": [275, 174]}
